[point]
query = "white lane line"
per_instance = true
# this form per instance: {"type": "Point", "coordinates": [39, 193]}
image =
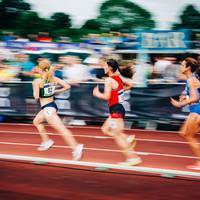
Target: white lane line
{"type": "Point", "coordinates": [107, 150]}
{"type": "Point", "coordinates": [91, 127]}
{"type": "Point", "coordinates": [97, 137]}
{"type": "Point", "coordinates": [106, 166]}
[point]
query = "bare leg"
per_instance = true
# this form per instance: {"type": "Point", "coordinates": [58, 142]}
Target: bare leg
{"type": "Point", "coordinates": [38, 123]}
{"type": "Point", "coordinates": [192, 126]}
{"type": "Point", "coordinates": [56, 122]}
{"type": "Point", "coordinates": [114, 128]}
{"type": "Point", "coordinates": [106, 129]}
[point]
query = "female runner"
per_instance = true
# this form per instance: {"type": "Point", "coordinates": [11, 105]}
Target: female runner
{"type": "Point", "coordinates": [191, 127]}
{"type": "Point", "coordinates": [114, 125]}
{"type": "Point", "coordinates": [44, 90]}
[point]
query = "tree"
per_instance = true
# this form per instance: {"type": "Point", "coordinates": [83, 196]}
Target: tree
{"type": "Point", "coordinates": [61, 20]}
{"type": "Point", "coordinates": [30, 22]}
{"type": "Point", "coordinates": [189, 19]}
{"type": "Point", "coordinates": [123, 15]}
{"type": "Point", "coordinates": [10, 11]}
{"type": "Point", "coordinates": [91, 24]}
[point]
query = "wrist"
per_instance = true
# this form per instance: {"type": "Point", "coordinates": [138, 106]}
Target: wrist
{"type": "Point", "coordinates": [184, 103]}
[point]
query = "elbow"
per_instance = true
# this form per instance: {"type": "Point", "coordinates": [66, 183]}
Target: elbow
{"type": "Point", "coordinates": [36, 97]}
{"type": "Point", "coordinates": [67, 87]}
{"type": "Point", "coordinates": [194, 100]}
{"type": "Point", "coordinates": [106, 97]}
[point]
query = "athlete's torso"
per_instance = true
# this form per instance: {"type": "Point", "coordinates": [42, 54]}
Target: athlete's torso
{"type": "Point", "coordinates": [118, 93]}
{"type": "Point", "coordinates": [47, 90]}
{"type": "Point", "coordinates": [187, 88]}
{"type": "Point", "coordinates": [46, 93]}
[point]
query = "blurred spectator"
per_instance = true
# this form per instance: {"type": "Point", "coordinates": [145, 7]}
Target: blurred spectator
{"type": "Point", "coordinates": [172, 71]}
{"type": "Point", "coordinates": [141, 73]}
{"type": "Point", "coordinates": [160, 66]}
{"type": "Point", "coordinates": [22, 61]}
{"type": "Point", "coordinates": [7, 73]}
{"type": "Point", "coordinates": [96, 66]}
{"type": "Point", "coordinates": [59, 67]}
{"type": "Point", "coordinates": [75, 71]}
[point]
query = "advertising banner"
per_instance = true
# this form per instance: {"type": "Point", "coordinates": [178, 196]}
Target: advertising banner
{"type": "Point", "coordinates": [164, 40]}
{"type": "Point", "coordinates": [152, 102]}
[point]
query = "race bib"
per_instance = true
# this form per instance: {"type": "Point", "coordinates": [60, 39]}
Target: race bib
{"type": "Point", "coordinates": [121, 96]}
{"type": "Point", "coordinates": [49, 90]}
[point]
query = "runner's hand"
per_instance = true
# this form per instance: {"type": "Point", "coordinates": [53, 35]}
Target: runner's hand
{"type": "Point", "coordinates": [175, 103]}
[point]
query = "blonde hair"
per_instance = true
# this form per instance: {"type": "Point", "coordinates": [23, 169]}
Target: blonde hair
{"type": "Point", "coordinates": [48, 71]}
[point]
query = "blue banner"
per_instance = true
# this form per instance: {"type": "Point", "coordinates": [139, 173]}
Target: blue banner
{"type": "Point", "coordinates": [164, 40]}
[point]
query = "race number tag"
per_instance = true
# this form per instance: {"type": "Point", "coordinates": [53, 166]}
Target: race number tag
{"type": "Point", "coordinates": [121, 96]}
{"type": "Point", "coordinates": [49, 90]}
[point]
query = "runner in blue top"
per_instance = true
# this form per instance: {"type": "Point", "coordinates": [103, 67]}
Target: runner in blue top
{"type": "Point", "coordinates": [191, 97]}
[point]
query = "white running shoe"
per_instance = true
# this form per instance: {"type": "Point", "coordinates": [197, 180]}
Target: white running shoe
{"type": "Point", "coordinates": [77, 153]}
{"type": "Point", "coordinates": [45, 145]}
{"type": "Point", "coordinates": [132, 161]}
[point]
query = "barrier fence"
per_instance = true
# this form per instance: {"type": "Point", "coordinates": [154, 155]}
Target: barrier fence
{"type": "Point", "coordinates": [151, 102]}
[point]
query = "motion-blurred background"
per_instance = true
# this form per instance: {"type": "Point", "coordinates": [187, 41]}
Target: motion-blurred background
{"type": "Point", "coordinates": [77, 36]}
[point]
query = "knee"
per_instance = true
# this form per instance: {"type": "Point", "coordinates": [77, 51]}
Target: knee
{"type": "Point", "coordinates": [104, 130]}
{"type": "Point", "coordinates": [182, 133]}
{"type": "Point", "coordinates": [36, 122]}
{"type": "Point", "coordinates": [188, 137]}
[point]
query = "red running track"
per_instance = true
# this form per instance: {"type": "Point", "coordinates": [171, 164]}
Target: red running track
{"type": "Point", "coordinates": [162, 150]}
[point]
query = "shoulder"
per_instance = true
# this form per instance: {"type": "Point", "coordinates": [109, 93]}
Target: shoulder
{"type": "Point", "coordinates": [57, 80]}
{"type": "Point", "coordinates": [36, 81]}
{"type": "Point", "coordinates": [108, 80]}
{"type": "Point", "coordinates": [193, 82]}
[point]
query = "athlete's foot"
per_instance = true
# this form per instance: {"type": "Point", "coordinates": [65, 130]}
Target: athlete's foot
{"type": "Point", "coordinates": [45, 145]}
{"type": "Point", "coordinates": [132, 161]}
{"type": "Point", "coordinates": [194, 167]}
{"type": "Point", "coordinates": [77, 153]}
{"type": "Point", "coordinates": [131, 141]}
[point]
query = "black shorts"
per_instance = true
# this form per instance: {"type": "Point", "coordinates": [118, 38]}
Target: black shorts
{"type": "Point", "coordinates": [51, 104]}
{"type": "Point", "coordinates": [117, 111]}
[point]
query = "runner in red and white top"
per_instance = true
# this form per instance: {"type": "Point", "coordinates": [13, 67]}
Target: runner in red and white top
{"type": "Point", "coordinates": [114, 89]}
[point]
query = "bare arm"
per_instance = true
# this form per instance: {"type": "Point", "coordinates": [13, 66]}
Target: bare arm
{"type": "Point", "coordinates": [107, 91]}
{"type": "Point", "coordinates": [127, 85]}
{"type": "Point", "coordinates": [36, 89]}
{"type": "Point", "coordinates": [194, 96]}
{"type": "Point", "coordinates": [64, 85]}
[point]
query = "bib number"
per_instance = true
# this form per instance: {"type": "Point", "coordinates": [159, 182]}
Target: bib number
{"type": "Point", "coordinates": [121, 96]}
{"type": "Point", "coordinates": [49, 90]}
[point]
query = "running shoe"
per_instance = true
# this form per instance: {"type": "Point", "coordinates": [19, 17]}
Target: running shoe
{"type": "Point", "coordinates": [131, 161]}
{"type": "Point", "coordinates": [45, 145]}
{"type": "Point", "coordinates": [194, 167]}
{"type": "Point", "coordinates": [77, 153]}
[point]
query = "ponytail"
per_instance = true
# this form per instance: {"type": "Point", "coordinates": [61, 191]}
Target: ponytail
{"type": "Point", "coordinates": [48, 72]}
{"type": "Point", "coordinates": [126, 71]}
